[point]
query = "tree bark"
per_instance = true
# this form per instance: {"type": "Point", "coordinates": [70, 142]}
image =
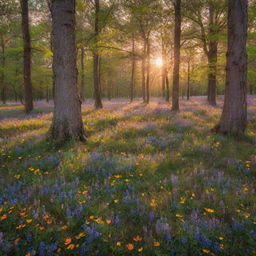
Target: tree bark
{"type": "Point", "coordinates": [96, 60]}
{"type": "Point", "coordinates": [188, 81]}
{"type": "Point", "coordinates": [212, 59]}
{"type": "Point", "coordinates": [163, 69]}
{"type": "Point", "coordinates": [2, 82]}
{"type": "Point", "coordinates": [82, 87]}
{"type": "Point", "coordinates": [233, 120]}
{"type": "Point", "coordinates": [133, 70]}
{"type": "Point", "coordinates": [167, 96]}
{"type": "Point", "coordinates": [143, 71]}
{"type": "Point", "coordinates": [148, 71]}
{"type": "Point", "coordinates": [67, 118]}
{"type": "Point", "coordinates": [176, 67]}
{"type": "Point", "coordinates": [28, 95]}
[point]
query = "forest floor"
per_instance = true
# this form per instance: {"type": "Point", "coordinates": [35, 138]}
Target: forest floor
{"type": "Point", "coordinates": [147, 182]}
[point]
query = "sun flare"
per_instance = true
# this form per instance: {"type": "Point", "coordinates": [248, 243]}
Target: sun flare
{"type": "Point", "coordinates": [158, 62]}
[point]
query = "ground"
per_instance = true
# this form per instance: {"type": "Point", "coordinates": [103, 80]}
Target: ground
{"type": "Point", "coordinates": [147, 182]}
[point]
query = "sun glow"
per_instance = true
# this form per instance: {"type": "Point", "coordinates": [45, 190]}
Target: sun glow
{"type": "Point", "coordinates": [158, 62]}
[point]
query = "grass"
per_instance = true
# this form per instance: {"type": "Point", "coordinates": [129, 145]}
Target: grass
{"type": "Point", "coordinates": [148, 182]}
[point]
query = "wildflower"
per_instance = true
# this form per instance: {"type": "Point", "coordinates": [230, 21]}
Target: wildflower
{"type": "Point", "coordinates": [28, 254]}
{"type": "Point", "coordinates": [67, 241]}
{"type": "Point", "coordinates": [16, 241]}
{"type": "Point", "coordinates": [178, 215]}
{"type": "Point", "coordinates": [137, 238]}
{"type": "Point", "coordinates": [64, 227]}
{"type": "Point", "coordinates": [205, 251]}
{"type": "Point", "coordinates": [23, 214]}
{"type": "Point", "coordinates": [209, 210]}
{"type": "Point", "coordinates": [221, 238]}
{"type": "Point", "coordinates": [41, 228]}
{"type": "Point", "coordinates": [221, 246]}
{"type": "Point", "coordinates": [29, 220]}
{"type": "Point", "coordinates": [3, 217]}
{"type": "Point", "coordinates": [71, 247]}
{"type": "Point", "coordinates": [245, 189]}
{"type": "Point", "coordinates": [17, 176]}
{"type": "Point", "coordinates": [91, 217]}
{"type": "Point", "coordinates": [116, 201]}
{"type": "Point", "coordinates": [130, 247]}
{"type": "Point", "coordinates": [182, 200]}
{"type": "Point", "coordinates": [153, 203]}
{"type": "Point", "coordinates": [156, 243]}
{"type": "Point", "coordinates": [140, 249]}
{"type": "Point", "coordinates": [80, 235]}
{"type": "Point", "coordinates": [118, 243]}
{"type": "Point", "coordinates": [108, 221]}
{"type": "Point", "coordinates": [99, 220]}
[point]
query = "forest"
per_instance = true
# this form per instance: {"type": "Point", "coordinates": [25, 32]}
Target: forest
{"type": "Point", "coordinates": [127, 127]}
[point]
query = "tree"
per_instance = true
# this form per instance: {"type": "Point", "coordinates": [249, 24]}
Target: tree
{"type": "Point", "coordinates": [67, 118]}
{"type": "Point", "coordinates": [209, 16]}
{"type": "Point", "coordinates": [233, 120]}
{"type": "Point", "coordinates": [96, 59]}
{"type": "Point", "coordinates": [176, 66]}
{"type": "Point", "coordinates": [26, 56]}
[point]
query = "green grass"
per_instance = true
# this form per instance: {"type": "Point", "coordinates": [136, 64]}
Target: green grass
{"type": "Point", "coordinates": [144, 171]}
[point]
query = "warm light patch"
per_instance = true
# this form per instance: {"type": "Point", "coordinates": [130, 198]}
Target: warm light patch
{"type": "Point", "coordinates": [158, 62]}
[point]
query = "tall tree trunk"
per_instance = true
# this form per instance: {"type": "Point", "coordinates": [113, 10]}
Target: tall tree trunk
{"type": "Point", "coordinates": [2, 81]}
{"type": "Point", "coordinates": [96, 59]}
{"type": "Point", "coordinates": [148, 71]}
{"type": "Point", "coordinates": [176, 67]}
{"type": "Point", "coordinates": [233, 120]}
{"type": "Point", "coordinates": [212, 58]}
{"type": "Point", "coordinates": [167, 95]}
{"type": "Point", "coordinates": [26, 57]}
{"type": "Point", "coordinates": [67, 118]}
{"type": "Point", "coordinates": [143, 71]}
{"type": "Point", "coordinates": [163, 69]}
{"type": "Point", "coordinates": [82, 87]}
{"type": "Point", "coordinates": [133, 70]}
{"type": "Point", "coordinates": [188, 81]}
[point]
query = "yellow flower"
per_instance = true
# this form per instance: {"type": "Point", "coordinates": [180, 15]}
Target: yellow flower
{"type": "Point", "coordinates": [71, 247]}
{"type": "Point", "coordinates": [118, 243]}
{"type": "Point", "coordinates": [130, 247]}
{"type": "Point", "coordinates": [116, 201]}
{"type": "Point", "coordinates": [221, 238]}
{"type": "Point", "coordinates": [156, 243]}
{"type": "Point", "coordinates": [29, 220]}
{"type": "Point", "coordinates": [68, 241]}
{"type": "Point", "coordinates": [209, 210]}
{"type": "Point", "coordinates": [153, 203]}
{"type": "Point", "coordinates": [140, 249]}
{"type": "Point", "coordinates": [182, 200]}
{"type": "Point", "coordinates": [17, 176]}
{"type": "Point", "coordinates": [205, 251]}
{"type": "Point", "coordinates": [80, 235]}
{"type": "Point", "coordinates": [178, 215]}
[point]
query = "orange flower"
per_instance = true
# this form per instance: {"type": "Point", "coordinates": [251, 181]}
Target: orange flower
{"type": "Point", "coordinates": [108, 222]}
{"type": "Point", "coordinates": [29, 220]}
{"type": "Point", "coordinates": [68, 241]}
{"type": "Point", "coordinates": [118, 243]}
{"type": "Point", "coordinates": [209, 210]}
{"type": "Point", "coordinates": [71, 247]}
{"type": "Point", "coordinates": [130, 247]}
{"type": "Point", "coordinates": [205, 251]}
{"type": "Point", "coordinates": [28, 254]}
{"type": "Point", "coordinates": [137, 238]}
{"type": "Point", "coordinates": [64, 227]}
{"type": "Point", "coordinates": [156, 243]}
{"type": "Point", "coordinates": [3, 217]}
